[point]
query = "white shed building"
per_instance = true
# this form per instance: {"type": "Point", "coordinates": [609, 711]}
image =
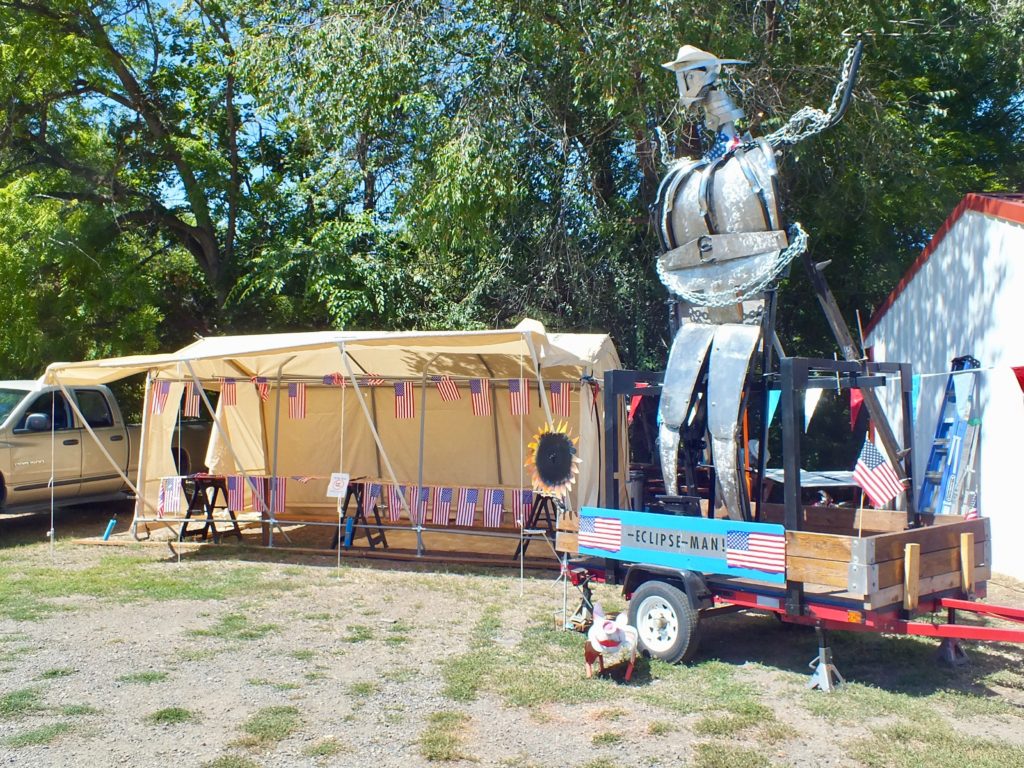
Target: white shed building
{"type": "Point", "coordinates": [964, 295]}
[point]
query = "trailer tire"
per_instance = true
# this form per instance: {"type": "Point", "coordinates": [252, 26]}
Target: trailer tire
{"type": "Point", "coordinates": [668, 625]}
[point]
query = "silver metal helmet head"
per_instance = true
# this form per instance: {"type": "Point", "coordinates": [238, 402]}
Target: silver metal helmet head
{"type": "Point", "coordinates": [696, 72]}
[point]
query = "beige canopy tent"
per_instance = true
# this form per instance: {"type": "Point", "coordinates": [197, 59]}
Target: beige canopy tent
{"type": "Point", "coordinates": [356, 428]}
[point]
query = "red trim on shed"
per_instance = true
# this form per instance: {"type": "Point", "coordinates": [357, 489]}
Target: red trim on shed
{"type": "Point", "coordinates": [1009, 207]}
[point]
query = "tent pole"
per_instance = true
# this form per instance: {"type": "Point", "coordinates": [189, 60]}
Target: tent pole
{"type": "Point", "coordinates": [494, 416]}
{"type": "Point", "coordinates": [423, 425]}
{"type": "Point", "coordinates": [373, 426]}
{"type": "Point", "coordinates": [277, 430]}
{"type": "Point", "coordinates": [256, 495]}
{"type": "Point", "coordinates": [544, 402]}
{"type": "Point", "coordinates": [142, 455]}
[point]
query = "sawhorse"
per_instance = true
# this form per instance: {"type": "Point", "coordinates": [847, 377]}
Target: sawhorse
{"type": "Point", "coordinates": [542, 513]}
{"type": "Point", "coordinates": [359, 521]}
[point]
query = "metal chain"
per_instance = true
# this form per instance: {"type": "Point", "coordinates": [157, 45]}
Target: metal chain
{"type": "Point", "coordinates": [675, 281]}
{"type": "Point", "coordinates": [809, 120]}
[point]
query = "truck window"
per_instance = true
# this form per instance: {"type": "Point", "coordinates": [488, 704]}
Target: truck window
{"type": "Point", "coordinates": [52, 404]}
{"type": "Point", "coordinates": [95, 408]}
{"type": "Point", "coordinates": [9, 398]}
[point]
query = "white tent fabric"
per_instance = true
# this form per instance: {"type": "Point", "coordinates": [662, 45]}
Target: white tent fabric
{"type": "Point", "coordinates": [257, 437]}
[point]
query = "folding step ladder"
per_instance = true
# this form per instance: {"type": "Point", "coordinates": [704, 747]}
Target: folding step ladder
{"type": "Point", "coordinates": [954, 434]}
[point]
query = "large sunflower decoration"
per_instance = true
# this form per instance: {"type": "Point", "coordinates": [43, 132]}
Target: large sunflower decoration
{"type": "Point", "coordinates": [552, 459]}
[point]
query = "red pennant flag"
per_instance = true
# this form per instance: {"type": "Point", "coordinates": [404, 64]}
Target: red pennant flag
{"type": "Point", "coordinates": [856, 399]}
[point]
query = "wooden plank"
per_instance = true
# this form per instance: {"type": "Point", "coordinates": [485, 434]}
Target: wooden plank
{"type": "Point", "coordinates": [844, 520]}
{"type": "Point", "coordinates": [967, 562]}
{"type": "Point", "coordinates": [911, 575]}
{"type": "Point", "coordinates": [832, 573]}
{"type": "Point", "coordinates": [566, 542]}
{"type": "Point", "coordinates": [942, 561]}
{"type": "Point", "coordinates": [818, 546]}
{"type": "Point", "coordinates": [927, 587]}
{"type": "Point", "coordinates": [889, 546]}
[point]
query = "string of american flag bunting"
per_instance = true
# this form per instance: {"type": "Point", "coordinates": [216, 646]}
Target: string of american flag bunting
{"type": "Point", "coordinates": [435, 505]}
{"type": "Point", "coordinates": [519, 402]}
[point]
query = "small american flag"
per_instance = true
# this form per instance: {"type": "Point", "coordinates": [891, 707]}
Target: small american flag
{"type": "Point", "coordinates": [480, 390]}
{"type": "Point", "coordinates": [405, 407]}
{"type": "Point", "coordinates": [296, 400]}
{"type": "Point", "coordinates": [447, 388]}
{"type": "Point", "coordinates": [191, 408]}
{"type": "Point", "coordinates": [876, 476]}
{"type": "Point", "coordinates": [160, 391]}
{"type": "Point", "coordinates": [519, 396]}
{"type": "Point", "coordinates": [262, 387]}
{"type": "Point", "coordinates": [419, 511]}
{"type": "Point", "coordinates": [373, 380]}
{"type": "Point", "coordinates": [600, 533]}
{"type": "Point", "coordinates": [278, 494]}
{"type": "Point", "coordinates": [521, 503]}
{"type": "Point", "coordinates": [335, 379]}
{"type": "Point", "coordinates": [494, 502]}
{"type": "Point", "coordinates": [236, 493]}
{"type": "Point", "coordinates": [560, 391]}
{"type": "Point", "coordinates": [396, 494]}
{"type": "Point", "coordinates": [467, 506]}
{"type": "Point", "coordinates": [442, 506]}
{"type": "Point", "coordinates": [760, 551]}
{"type": "Point", "coordinates": [371, 492]}
{"type": "Point", "coordinates": [169, 500]}
{"type": "Point", "coordinates": [227, 392]}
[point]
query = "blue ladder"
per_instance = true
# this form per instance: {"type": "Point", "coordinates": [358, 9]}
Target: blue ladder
{"type": "Point", "coordinates": [945, 463]}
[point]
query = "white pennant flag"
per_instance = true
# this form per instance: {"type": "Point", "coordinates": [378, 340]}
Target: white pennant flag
{"type": "Point", "coordinates": [811, 398]}
{"type": "Point", "coordinates": [963, 387]}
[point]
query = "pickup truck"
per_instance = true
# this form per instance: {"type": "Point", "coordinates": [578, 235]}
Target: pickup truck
{"type": "Point", "coordinates": [28, 410]}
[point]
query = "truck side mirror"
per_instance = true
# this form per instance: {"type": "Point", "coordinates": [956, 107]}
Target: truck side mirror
{"type": "Point", "coordinates": [38, 422]}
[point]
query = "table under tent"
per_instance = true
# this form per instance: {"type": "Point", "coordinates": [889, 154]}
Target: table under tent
{"type": "Point", "coordinates": [432, 430]}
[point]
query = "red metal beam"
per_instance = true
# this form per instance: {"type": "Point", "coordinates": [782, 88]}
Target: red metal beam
{"type": "Point", "coordinates": [1000, 611]}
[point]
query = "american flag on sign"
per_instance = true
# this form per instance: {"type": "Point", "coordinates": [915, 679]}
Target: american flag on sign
{"type": "Point", "coordinates": [419, 509]}
{"type": "Point", "coordinates": [236, 493]}
{"type": "Point", "coordinates": [262, 387]}
{"type": "Point", "coordinates": [296, 400]}
{"type": "Point", "coordinates": [169, 499]}
{"type": "Point", "coordinates": [519, 396]}
{"type": "Point", "coordinates": [466, 512]}
{"type": "Point", "coordinates": [371, 492]}
{"type": "Point", "coordinates": [447, 388]}
{"type": "Point", "coordinates": [396, 494]}
{"type": "Point", "coordinates": [227, 392]}
{"type": "Point", "coordinates": [405, 407]}
{"type": "Point", "coordinates": [521, 503]}
{"type": "Point", "coordinates": [480, 390]}
{"type": "Point", "coordinates": [494, 512]}
{"type": "Point", "coordinates": [876, 476]}
{"type": "Point", "coordinates": [442, 506]}
{"type": "Point", "coordinates": [191, 407]}
{"type": "Point", "coordinates": [335, 379]}
{"type": "Point", "coordinates": [600, 533]}
{"type": "Point", "coordinates": [278, 494]}
{"type": "Point", "coordinates": [560, 391]}
{"type": "Point", "coordinates": [160, 391]}
{"type": "Point", "coordinates": [760, 551]}
{"type": "Point", "coordinates": [372, 380]}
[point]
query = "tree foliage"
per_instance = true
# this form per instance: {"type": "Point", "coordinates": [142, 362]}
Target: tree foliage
{"type": "Point", "coordinates": [249, 165]}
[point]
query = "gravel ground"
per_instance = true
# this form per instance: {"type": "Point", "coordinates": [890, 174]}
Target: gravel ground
{"type": "Point", "coordinates": [361, 655]}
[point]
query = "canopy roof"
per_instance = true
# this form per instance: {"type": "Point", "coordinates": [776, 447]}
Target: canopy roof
{"type": "Point", "coordinates": [390, 354]}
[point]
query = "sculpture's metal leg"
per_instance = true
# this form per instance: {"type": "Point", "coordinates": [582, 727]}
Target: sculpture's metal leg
{"type": "Point", "coordinates": [685, 361]}
{"type": "Point", "coordinates": [727, 373]}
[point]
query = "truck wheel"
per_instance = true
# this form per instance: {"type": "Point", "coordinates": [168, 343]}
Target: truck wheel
{"type": "Point", "coordinates": [666, 622]}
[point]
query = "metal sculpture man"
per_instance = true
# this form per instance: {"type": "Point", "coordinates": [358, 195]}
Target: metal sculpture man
{"type": "Point", "coordinates": [724, 247]}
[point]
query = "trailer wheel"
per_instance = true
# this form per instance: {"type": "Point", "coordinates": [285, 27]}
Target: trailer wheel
{"type": "Point", "coordinates": [665, 620]}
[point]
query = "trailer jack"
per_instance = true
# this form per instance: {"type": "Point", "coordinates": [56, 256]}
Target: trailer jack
{"type": "Point", "coordinates": [825, 676]}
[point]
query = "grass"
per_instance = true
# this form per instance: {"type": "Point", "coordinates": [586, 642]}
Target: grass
{"type": "Point", "coordinates": [398, 633]}
{"type": "Point", "coordinates": [170, 716]}
{"type": "Point", "coordinates": [50, 674]}
{"type": "Point", "coordinates": [725, 755]}
{"type": "Point", "coordinates": [269, 726]}
{"type": "Point", "coordinates": [232, 761]}
{"type": "Point", "coordinates": [442, 740]}
{"type": "Point", "coordinates": [606, 739]}
{"type": "Point", "coordinates": [400, 674]}
{"type": "Point", "coordinates": [20, 702]}
{"type": "Point", "coordinates": [40, 736]}
{"type": "Point", "coordinates": [145, 677]}
{"type": "Point", "coordinates": [325, 748]}
{"type": "Point", "coordinates": [358, 633]}
{"type": "Point", "coordinates": [236, 626]}
{"type": "Point", "coordinates": [304, 654]}
{"type": "Point", "coordinates": [277, 686]}
{"type": "Point", "coordinates": [362, 689]}
{"type": "Point", "coordinates": [660, 728]}
{"type": "Point", "coordinates": [919, 745]}
{"type": "Point", "coordinates": [78, 710]}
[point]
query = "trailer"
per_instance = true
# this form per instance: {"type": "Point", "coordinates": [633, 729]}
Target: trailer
{"type": "Point", "coordinates": [679, 560]}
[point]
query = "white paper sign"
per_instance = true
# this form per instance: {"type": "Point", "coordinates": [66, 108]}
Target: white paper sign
{"type": "Point", "coordinates": [338, 486]}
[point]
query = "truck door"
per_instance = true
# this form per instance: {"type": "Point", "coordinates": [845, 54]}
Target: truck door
{"type": "Point", "coordinates": [98, 475]}
{"type": "Point", "coordinates": [31, 453]}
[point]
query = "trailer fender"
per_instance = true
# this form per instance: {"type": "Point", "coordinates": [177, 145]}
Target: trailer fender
{"type": "Point", "coordinates": [691, 583]}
